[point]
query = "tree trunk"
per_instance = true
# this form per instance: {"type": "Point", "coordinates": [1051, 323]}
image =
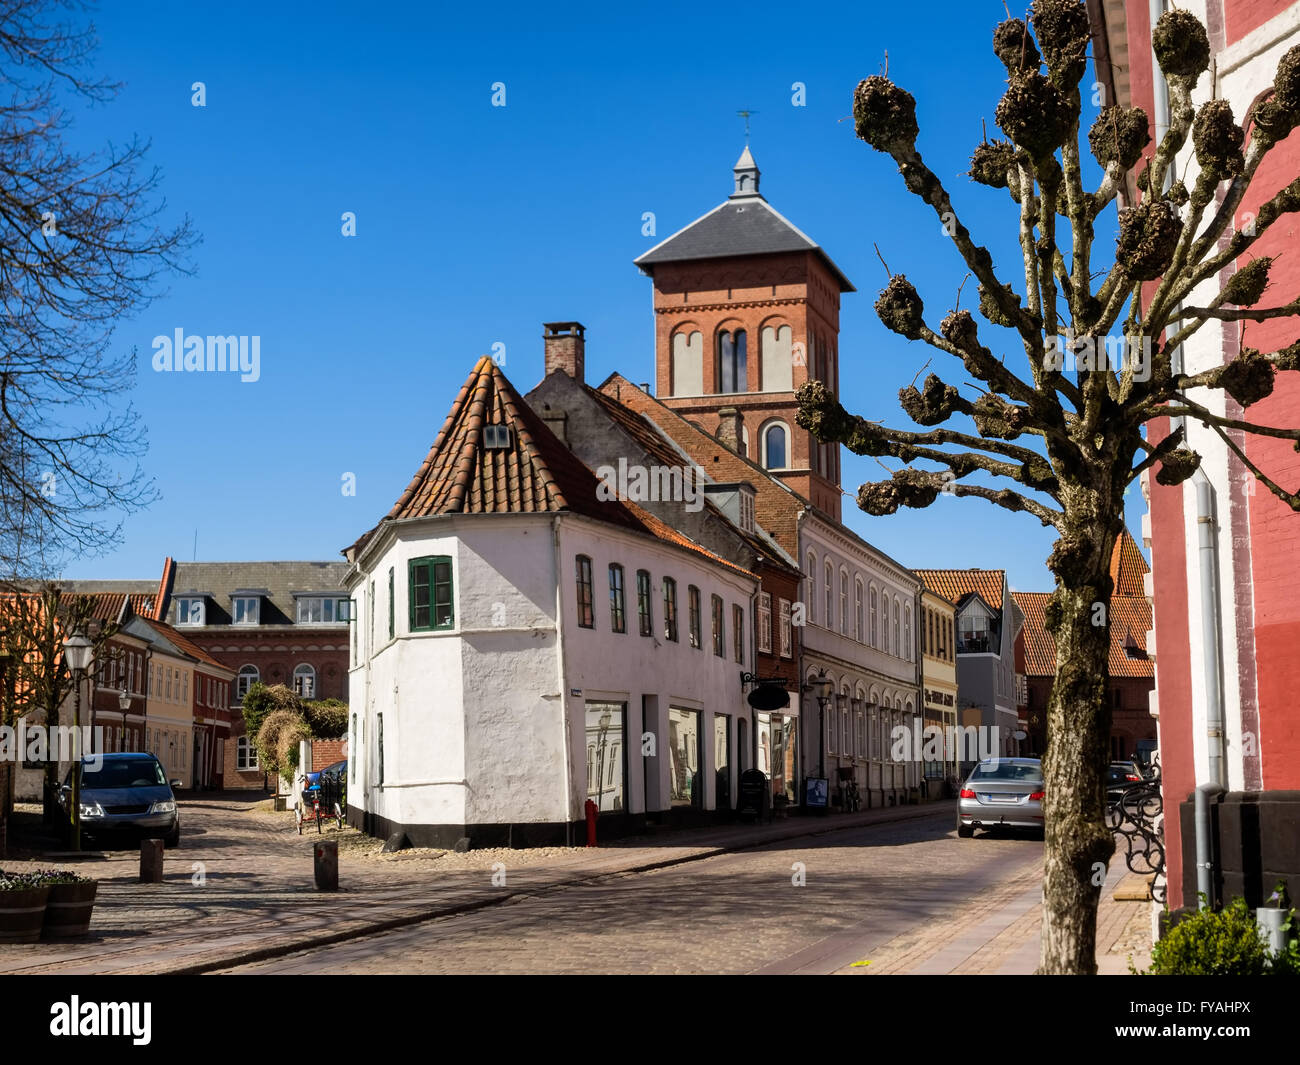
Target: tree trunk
{"type": "Point", "coordinates": [1078, 843]}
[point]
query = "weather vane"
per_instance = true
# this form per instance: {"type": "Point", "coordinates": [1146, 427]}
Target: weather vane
{"type": "Point", "coordinates": [745, 115]}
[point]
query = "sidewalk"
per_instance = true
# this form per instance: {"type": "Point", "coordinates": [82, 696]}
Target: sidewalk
{"type": "Point", "coordinates": [1001, 937]}
{"type": "Point", "coordinates": [240, 890]}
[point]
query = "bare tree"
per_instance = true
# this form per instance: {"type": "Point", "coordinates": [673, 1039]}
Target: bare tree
{"type": "Point", "coordinates": [1081, 426]}
{"type": "Point", "coordinates": [81, 247]}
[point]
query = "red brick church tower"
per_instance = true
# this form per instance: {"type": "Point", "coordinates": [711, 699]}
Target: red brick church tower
{"type": "Point", "coordinates": [747, 308]}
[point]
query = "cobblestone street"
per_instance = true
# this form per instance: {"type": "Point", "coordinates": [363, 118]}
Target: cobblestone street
{"type": "Point", "coordinates": [892, 887]}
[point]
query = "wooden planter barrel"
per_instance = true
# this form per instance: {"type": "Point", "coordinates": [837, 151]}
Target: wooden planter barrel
{"type": "Point", "coordinates": [68, 910]}
{"type": "Point", "coordinates": [22, 914]}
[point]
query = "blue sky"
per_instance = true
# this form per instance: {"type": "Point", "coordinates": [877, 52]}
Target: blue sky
{"type": "Point", "coordinates": [477, 223]}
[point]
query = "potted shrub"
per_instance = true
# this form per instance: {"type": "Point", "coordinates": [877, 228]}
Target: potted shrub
{"type": "Point", "coordinates": [70, 904]}
{"type": "Point", "coordinates": [22, 907]}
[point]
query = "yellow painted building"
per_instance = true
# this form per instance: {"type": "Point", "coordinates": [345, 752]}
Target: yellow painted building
{"type": "Point", "coordinates": [938, 684]}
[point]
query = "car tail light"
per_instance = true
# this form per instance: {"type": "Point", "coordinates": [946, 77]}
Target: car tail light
{"type": "Point", "coordinates": [966, 793]}
{"type": "Point", "coordinates": [1132, 777]}
{"type": "Point", "coordinates": [1036, 795]}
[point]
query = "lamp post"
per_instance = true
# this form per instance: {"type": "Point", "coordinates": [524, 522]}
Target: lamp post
{"type": "Point", "coordinates": [123, 704]}
{"type": "Point", "coordinates": [77, 652]}
{"type": "Point", "coordinates": [821, 686]}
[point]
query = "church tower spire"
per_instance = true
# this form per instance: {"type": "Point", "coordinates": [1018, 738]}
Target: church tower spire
{"type": "Point", "coordinates": [747, 308]}
{"type": "Point", "coordinates": [746, 174]}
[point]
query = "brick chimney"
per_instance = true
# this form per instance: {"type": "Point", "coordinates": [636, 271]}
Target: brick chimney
{"type": "Point", "coordinates": [565, 348]}
{"type": "Point", "coordinates": [729, 428]}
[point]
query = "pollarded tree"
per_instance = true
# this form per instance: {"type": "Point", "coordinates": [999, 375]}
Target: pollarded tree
{"type": "Point", "coordinates": [1080, 411]}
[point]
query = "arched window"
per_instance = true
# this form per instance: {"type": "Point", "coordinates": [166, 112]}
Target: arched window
{"type": "Point", "coordinates": [829, 619]}
{"type": "Point", "coordinates": [907, 632]}
{"type": "Point", "coordinates": [812, 587]}
{"type": "Point", "coordinates": [732, 375]}
{"type": "Point", "coordinates": [776, 447]}
{"type": "Point", "coordinates": [304, 681]}
{"type": "Point", "coordinates": [857, 609]}
{"type": "Point", "coordinates": [844, 602]}
{"type": "Point", "coordinates": [778, 359]}
{"type": "Point", "coordinates": [875, 628]}
{"type": "Point", "coordinates": [688, 363]}
{"type": "Point", "coordinates": [248, 676]}
{"type": "Point", "coordinates": [898, 646]}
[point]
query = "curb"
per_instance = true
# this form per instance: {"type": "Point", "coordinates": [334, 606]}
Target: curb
{"type": "Point", "coordinates": [372, 928]}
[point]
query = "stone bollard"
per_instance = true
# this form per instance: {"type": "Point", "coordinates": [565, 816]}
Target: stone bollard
{"type": "Point", "coordinates": [151, 861]}
{"type": "Point", "coordinates": [326, 853]}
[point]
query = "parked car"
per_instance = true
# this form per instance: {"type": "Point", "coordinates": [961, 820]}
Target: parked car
{"type": "Point", "coordinates": [1121, 776]}
{"type": "Point", "coordinates": [1002, 793]}
{"type": "Point", "coordinates": [125, 796]}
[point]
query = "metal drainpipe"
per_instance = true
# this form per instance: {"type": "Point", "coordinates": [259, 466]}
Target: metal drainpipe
{"type": "Point", "coordinates": [564, 676]}
{"type": "Point", "coordinates": [1212, 650]}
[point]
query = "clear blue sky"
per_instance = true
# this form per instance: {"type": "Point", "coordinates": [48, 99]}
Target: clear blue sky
{"type": "Point", "coordinates": [477, 223]}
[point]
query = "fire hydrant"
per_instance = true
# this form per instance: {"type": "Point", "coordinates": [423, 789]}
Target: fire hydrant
{"type": "Point", "coordinates": [592, 811]}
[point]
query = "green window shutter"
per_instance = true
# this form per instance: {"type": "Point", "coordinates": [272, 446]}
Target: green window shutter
{"type": "Point", "coordinates": [443, 601]}
{"type": "Point", "coordinates": [419, 594]}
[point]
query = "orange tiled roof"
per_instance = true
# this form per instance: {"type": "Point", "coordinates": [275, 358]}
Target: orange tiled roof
{"type": "Point", "coordinates": [657, 444]}
{"type": "Point", "coordinates": [776, 505]}
{"type": "Point", "coordinates": [955, 584]}
{"type": "Point", "coordinates": [1130, 620]}
{"type": "Point", "coordinates": [183, 643]}
{"type": "Point", "coordinates": [1128, 567]}
{"type": "Point", "coordinates": [107, 606]}
{"type": "Point", "coordinates": [535, 474]}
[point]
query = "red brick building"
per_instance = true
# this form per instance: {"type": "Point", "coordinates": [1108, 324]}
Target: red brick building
{"type": "Point", "coordinates": [747, 309]}
{"type": "Point", "coordinates": [1227, 619]}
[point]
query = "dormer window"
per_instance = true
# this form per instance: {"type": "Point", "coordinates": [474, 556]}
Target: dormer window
{"type": "Point", "coordinates": [189, 610]}
{"type": "Point", "coordinates": [496, 437]}
{"type": "Point", "coordinates": [245, 609]}
{"type": "Point", "coordinates": [322, 610]}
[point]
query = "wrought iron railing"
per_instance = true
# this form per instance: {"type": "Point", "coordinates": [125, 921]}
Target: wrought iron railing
{"type": "Point", "coordinates": [1137, 816]}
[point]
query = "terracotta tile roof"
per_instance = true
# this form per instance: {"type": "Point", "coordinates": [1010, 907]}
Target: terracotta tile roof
{"type": "Point", "coordinates": [1128, 567]}
{"type": "Point", "coordinates": [664, 451]}
{"type": "Point", "coordinates": [536, 473]}
{"type": "Point", "coordinates": [1130, 620]}
{"type": "Point", "coordinates": [107, 606]}
{"type": "Point", "coordinates": [663, 531]}
{"type": "Point", "coordinates": [186, 645]}
{"type": "Point", "coordinates": [776, 507]}
{"type": "Point", "coordinates": [955, 584]}
{"type": "Point", "coordinates": [1040, 648]}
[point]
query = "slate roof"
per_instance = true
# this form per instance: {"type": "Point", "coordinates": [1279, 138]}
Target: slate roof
{"type": "Point", "coordinates": [741, 225]}
{"type": "Point", "coordinates": [218, 582]}
{"type": "Point", "coordinates": [955, 584]}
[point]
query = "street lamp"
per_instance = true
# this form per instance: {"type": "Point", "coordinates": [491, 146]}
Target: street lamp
{"type": "Point", "coordinates": [77, 652]}
{"type": "Point", "coordinates": [821, 685]}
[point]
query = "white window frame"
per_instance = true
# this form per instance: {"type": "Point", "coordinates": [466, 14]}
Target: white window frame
{"type": "Point", "coordinates": [298, 672]}
{"type": "Point", "coordinates": [256, 609]}
{"type": "Point", "coordinates": [246, 755]}
{"type": "Point", "coordinates": [765, 622]}
{"type": "Point", "coordinates": [241, 689]}
{"type": "Point", "coordinates": [185, 607]}
{"type": "Point", "coordinates": [787, 635]}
